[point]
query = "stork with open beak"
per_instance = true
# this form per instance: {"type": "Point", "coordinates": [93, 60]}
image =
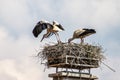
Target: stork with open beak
{"type": "Point", "coordinates": [81, 33]}
{"type": "Point", "coordinates": [51, 29]}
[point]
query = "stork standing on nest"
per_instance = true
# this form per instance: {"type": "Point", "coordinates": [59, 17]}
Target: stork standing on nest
{"type": "Point", "coordinates": [81, 33]}
{"type": "Point", "coordinates": [51, 29]}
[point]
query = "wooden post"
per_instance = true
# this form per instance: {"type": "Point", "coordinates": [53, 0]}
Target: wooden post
{"type": "Point", "coordinates": [73, 75]}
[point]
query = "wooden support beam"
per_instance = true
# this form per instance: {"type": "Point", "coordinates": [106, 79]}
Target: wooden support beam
{"type": "Point", "coordinates": [72, 76]}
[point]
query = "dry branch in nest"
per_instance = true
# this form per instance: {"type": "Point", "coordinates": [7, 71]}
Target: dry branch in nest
{"type": "Point", "coordinates": [54, 54]}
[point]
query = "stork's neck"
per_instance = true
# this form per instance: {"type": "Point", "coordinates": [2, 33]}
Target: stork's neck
{"type": "Point", "coordinates": [56, 28]}
{"type": "Point", "coordinates": [69, 40]}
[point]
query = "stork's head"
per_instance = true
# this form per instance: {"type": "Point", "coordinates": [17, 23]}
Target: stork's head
{"type": "Point", "coordinates": [55, 23]}
{"type": "Point", "coordinates": [58, 25]}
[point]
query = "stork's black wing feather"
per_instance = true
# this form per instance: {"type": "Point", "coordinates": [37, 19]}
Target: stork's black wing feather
{"type": "Point", "coordinates": [87, 32]}
{"type": "Point", "coordinates": [49, 25]}
{"type": "Point", "coordinates": [39, 28]}
{"type": "Point", "coordinates": [60, 26]}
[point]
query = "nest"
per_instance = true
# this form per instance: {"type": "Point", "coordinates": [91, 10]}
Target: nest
{"type": "Point", "coordinates": [54, 54]}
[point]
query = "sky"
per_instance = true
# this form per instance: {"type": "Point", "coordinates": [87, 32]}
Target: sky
{"type": "Point", "coordinates": [18, 46]}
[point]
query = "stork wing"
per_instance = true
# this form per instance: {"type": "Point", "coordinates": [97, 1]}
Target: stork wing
{"type": "Point", "coordinates": [49, 25]}
{"type": "Point", "coordinates": [87, 32]}
{"type": "Point", "coordinates": [90, 30]}
{"type": "Point", "coordinates": [60, 26]}
{"type": "Point", "coordinates": [79, 31]}
{"type": "Point", "coordinates": [40, 27]}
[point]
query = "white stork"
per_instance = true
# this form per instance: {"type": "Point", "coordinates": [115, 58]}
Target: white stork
{"type": "Point", "coordinates": [81, 33]}
{"type": "Point", "coordinates": [51, 29]}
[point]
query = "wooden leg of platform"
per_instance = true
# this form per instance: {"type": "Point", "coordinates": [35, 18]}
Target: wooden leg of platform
{"type": "Point", "coordinates": [67, 71]}
{"type": "Point", "coordinates": [58, 78]}
{"type": "Point", "coordinates": [80, 73]}
{"type": "Point", "coordinates": [90, 74]}
{"type": "Point", "coordinates": [56, 69]}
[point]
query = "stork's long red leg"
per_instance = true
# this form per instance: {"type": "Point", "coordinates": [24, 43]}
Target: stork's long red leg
{"type": "Point", "coordinates": [57, 37]}
{"type": "Point", "coordinates": [43, 37]}
{"type": "Point", "coordinates": [82, 40]}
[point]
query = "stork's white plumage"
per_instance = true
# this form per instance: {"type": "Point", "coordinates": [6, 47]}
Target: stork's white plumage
{"type": "Point", "coordinates": [81, 33]}
{"type": "Point", "coordinates": [51, 29]}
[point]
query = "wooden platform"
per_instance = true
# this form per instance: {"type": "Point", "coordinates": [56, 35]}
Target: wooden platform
{"type": "Point", "coordinates": [72, 76]}
{"type": "Point", "coordinates": [73, 62]}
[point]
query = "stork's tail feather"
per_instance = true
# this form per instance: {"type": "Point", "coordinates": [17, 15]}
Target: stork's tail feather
{"type": "Point", "coordinates": [92, 31]}
{"type": "Point", "coordinates": [60, 26]}
{"type": "Point", "coordinates": [89, 30]}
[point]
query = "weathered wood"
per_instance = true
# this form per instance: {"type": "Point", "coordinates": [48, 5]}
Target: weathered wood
{"type": "Point", "coordinates": [74, 76]}
{"type": "Point", "coordinates": [72, 57]}
{"type": "Point", "coordinates": [75, 66]}
{"type": "Point", "coordinates": [74, 52]}
{"type": "Point", "coordinates": [73, 62]}
{"type": "Point", "coordinates": [65, 56]}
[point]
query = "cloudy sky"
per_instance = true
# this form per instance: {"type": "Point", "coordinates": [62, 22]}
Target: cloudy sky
{"type": "Point", "coordinates": [18, 46]}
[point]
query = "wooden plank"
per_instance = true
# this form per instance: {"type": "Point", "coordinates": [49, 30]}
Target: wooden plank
{"type": "Point", "coordinates": [74, 66]}
{"type": "Point", "coordinates": [69, 56]}
{"type": "Point", "coordinates": [73, 62]}
{"type": "Point", "coordinates": [81, 57]}
{"type": "Point", "coordinates": [73, 75]}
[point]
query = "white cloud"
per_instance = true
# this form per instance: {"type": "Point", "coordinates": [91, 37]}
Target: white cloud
{"type": "Point", "coordinates": [15, 15]}
{"type": "Point", "coordinates": [3, 33]}
{"type": "Point", "coordinates": [21, 47]}
{"type": "Point", "coordinates": [24, 70]}
{"type": "Point", "coordinates": [104, 73]}
{"type": "Point", "coordinates": [102, 14]}
{"type": "Point", "coordinates": [99, 14]}
{"type": "Point", "coordinates": [18, 16]}
{"type": "Point", "coordinates": [113, 47]}
{"type": "Point", "coordinates": [17, 58]}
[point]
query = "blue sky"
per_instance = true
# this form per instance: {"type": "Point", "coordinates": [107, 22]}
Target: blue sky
{"type": "Point", "coordinates": [18, 46]}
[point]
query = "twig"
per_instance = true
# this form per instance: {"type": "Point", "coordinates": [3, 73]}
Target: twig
{"type": "Point", "coordinates": [108, 67]}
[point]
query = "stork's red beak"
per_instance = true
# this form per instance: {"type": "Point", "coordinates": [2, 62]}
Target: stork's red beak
{"type": "Point", "coordinates": [42, 38]}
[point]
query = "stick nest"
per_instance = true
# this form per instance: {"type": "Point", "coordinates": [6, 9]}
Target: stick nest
{"type": "Point", "coordinates": [72, 49]}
